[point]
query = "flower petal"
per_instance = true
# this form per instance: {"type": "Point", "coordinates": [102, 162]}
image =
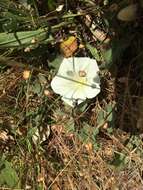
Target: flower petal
{"type": "Point", "coordinates": [68, 101]}
{"type": "Point", "coordinates": [92, 92]}
{"type": "Point", "coordinates": [64, 87]}
{"type": "Point", "coordinates": [92, 69]}
{"type": "Point", "coordinates": [87, 64]}
{"type": "Point", "coordinates": [71, 102]}
{"type": "Point", "coordinates": [81, 64]}
{"type": "Point", "coordinates": [66, 66]}
{"type": "Point", "coordinates": [80, 94]}
{"type": "Point", "coordinates": [94, 81]}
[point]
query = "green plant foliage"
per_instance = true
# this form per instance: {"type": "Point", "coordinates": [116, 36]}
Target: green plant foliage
{"type": "Point", "coordinates": [106, 115]}
{"type": "Point", "coordinates": [110, 130]}
{"type": "Point", "coordinates": [107, 55]}
{"type": "Point", "coordinates": [40, 187]}
{"type": "Point", "coordinates": [56, 62]}
{"type": "Point", "coordinates": [119, 161]}
{"type": "Point", "coordinates": [84, 133]}
{"type": "Point", "coordinates": [88, 134]}
{"type": "Point", "coordinates": [46, 144]}
{"type": "Point", "coordinates": [109, 110]}
{"type": "Point", "coordinates": [70, 126]}
{"type": "Point", "coordinates": [51, 4]}
{"type": "Point", "coordinates": [135, 143]}
{"type": "Point", "coordinates": [29, 145]}
{"type": "Point", "coordinates": [31, 132]}
{"type": "Point", "coordinates": [94, 52]}
{"type": "Point", "coordinates": [82, 107]}
{"type": "Point", "coordinates": [36, 88]}
{"type": "Point", "coordinates": [100, 117]}
{"type": "Point", "coordinates": [13, 17]}
{"type": "Point", "coordinates": [8, 176]}
{"type": "Point", "coordinates": [20, 39]}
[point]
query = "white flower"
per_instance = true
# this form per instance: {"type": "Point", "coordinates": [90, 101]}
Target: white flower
{"type": "Point", "coordinates": [77, 80]}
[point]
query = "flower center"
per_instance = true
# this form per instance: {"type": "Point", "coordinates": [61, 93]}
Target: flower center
{"type": "Point", "coordinates": [78, 78]}
{"type": "Point", "coordinates": [82, 73]}
{"type": "Point", "coordinates": [81, 79]}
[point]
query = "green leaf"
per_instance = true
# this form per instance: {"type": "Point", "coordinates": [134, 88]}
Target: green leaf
{"type": "Point", "coordinates": [84, 133]}
{"type": "Point", "coordinates": [25, 38]}
{"type": "Point", "coordinates": [30, 113]}
{"type": "Point", "coordinates": [110, 130]}
{"type": "Point", "coordinates": [2, 179]}
{"type": "Point", "coordinates": [107, 55]}
{"type": "Point", "coordinates": [9, 176]}
{"type": "Point", "coordinates": [93, 51]}
{"type": "Point", "coordinates": [82, 107]}
{"type": "Point", "coordinates": [2, 161]}
{"type": "Point", "coordinates": [56, 62]}
{"type": "Point", "coordinates": [31, 132]}
{"type": "Point", "coordinates": [106, 115]}
{"type": "Point", "coordinates": [29, 145]}
{"type": "Point", "coordinates": [40, 187]}
{"type": "Point", "coordinates": [95, 131]}
{"type": "Point", "coordinates": [119, 160]}
{"type": "Point", "coordinates": [100, 117]}
{"type": "Point", "coordinates": [96, 146]}
{"type": "Point", "coordinates": [70, 126]}
{"type": "Point", "coordinates": [109, 110]}
{"type": "Point", "coordinates": [51, 4]}
{"type": "Point", "coordinates": [109, 107]}
{"type": "Point", "coordinates": [36, 88]}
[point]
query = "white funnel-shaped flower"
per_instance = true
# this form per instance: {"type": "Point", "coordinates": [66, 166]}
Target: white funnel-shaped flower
{"type": "Point", "coordinates": [77, 80]}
